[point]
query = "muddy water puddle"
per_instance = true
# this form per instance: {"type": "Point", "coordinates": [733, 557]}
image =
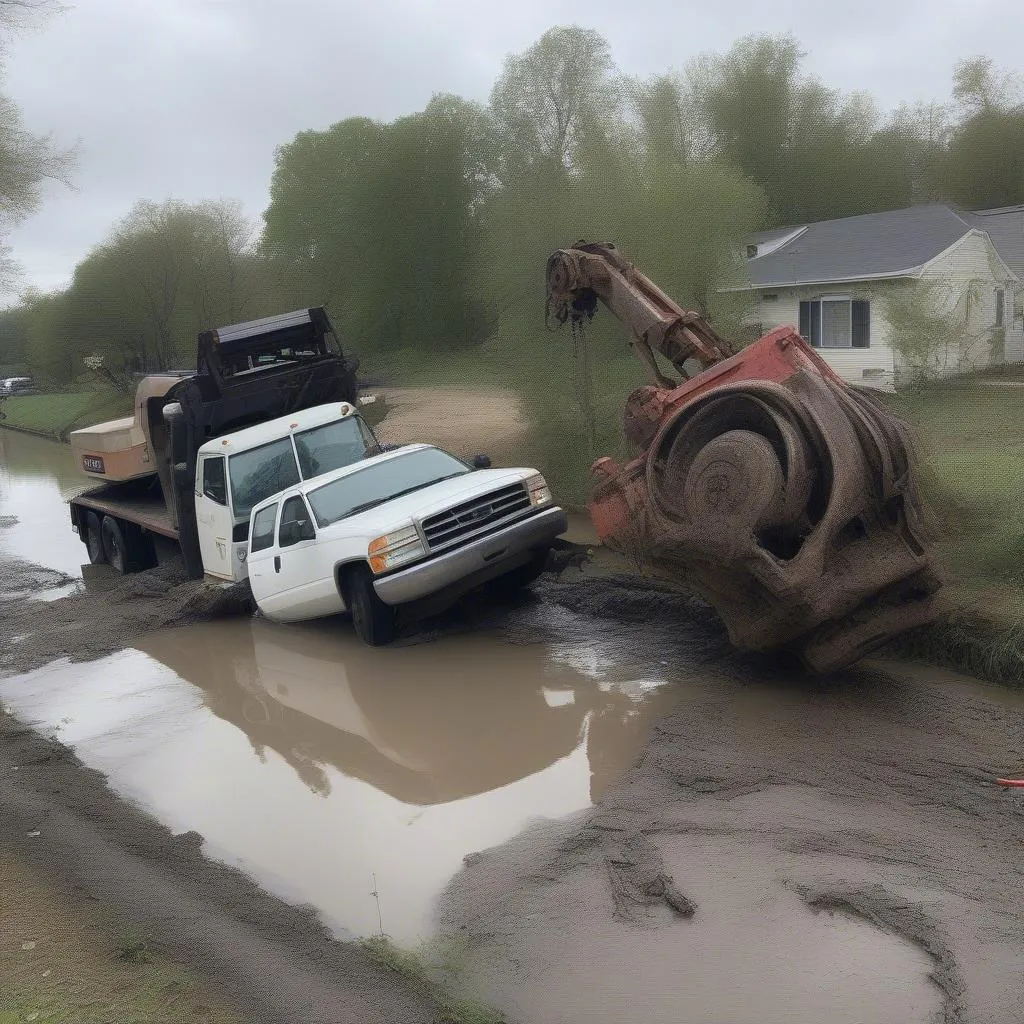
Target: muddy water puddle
{"type": "Point", "coordinates": [329, 770]}
{"type": "Point", "coordinates": [36, 478]}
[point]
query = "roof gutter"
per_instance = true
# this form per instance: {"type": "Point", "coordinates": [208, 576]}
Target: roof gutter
{"type": "Point", "coordinates": [893, 275]}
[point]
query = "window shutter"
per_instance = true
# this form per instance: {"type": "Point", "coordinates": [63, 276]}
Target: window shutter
{"type": "Point", "coordinates": [815, 338]}
{"type": "Point", "coordinates": [861, 323]}
{"type": "Point", "coordinates": [805, 320]}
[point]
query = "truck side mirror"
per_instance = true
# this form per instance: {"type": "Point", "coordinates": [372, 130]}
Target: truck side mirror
{"type": "Point", "coordinates": [482, 462]}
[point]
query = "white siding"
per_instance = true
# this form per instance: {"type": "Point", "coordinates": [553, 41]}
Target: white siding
{"type": "Point", "coordinates": [849, 363]}
{"type": "Point", "coordinates": [1014, 332]}
{"type": "Point", "coordinates": [974, 260]}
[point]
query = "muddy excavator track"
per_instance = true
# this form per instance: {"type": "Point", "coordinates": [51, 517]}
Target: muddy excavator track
{"type": "Point", "coordinates": [780, 493]}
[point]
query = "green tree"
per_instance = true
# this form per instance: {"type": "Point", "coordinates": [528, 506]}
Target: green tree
{"type": "Point", "coordinates": [165, 272]}
{"type": "Point", "coordinates": [667, 132]}
{"type": "Point", "coordinates": [13, 340]}
{"type": "Point", "coordinates": [26, 160]}
{"type": "Point", "coordinates": [984, 166]}
{"type": "Point", "coordinates": [937, 327]}
{"type": "Point", "coordinates": [550, 99]}
{"type": "Point", "coordinates": [809, 147]}
{"type": "Point", "coordinates": [978, 86]}
{"type": "Point", "coordinates": [316, 225]}
{"type": "Point", "coordinates": [909, 152]}
{"type": "Point", "coordinates": [382, 221]}
{"type": "Point", "coordinates": [52, 356]}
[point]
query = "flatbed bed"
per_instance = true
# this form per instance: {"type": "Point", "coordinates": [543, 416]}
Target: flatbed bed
{"type": "Point", "coordinates": [142, 505]}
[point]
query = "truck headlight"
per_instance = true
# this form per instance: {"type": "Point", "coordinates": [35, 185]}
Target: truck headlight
{"type": "Point", "coordinates": [393, 549]}
{"type": "Point", "coordinates": [540, 493]}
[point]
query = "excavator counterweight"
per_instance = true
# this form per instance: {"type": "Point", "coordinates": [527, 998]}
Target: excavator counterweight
{"type": "Point", "coordinates": [783, 495]}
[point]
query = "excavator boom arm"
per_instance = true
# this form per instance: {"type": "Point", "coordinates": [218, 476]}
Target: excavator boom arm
{"type": "Point", "coordinates": [591, 271]}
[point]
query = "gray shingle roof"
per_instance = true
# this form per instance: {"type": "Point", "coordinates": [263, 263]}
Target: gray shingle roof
{"type": "Point", "coordinates": [1005, 227]}
{"type": "Point", "coordinates": [854, 248]}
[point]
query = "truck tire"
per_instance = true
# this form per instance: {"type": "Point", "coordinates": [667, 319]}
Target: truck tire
{"type": "Point", "coordinates": [94, 539]}
{"type": "Point", "coordinates": [127, 548]}
{"type": "Point", "coordinates": [374, 621]}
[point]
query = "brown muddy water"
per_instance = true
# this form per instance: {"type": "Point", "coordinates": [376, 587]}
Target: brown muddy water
{"type": "Point", "coordinates": [359, 781]}
{"type": "Point", "coordinates": [36, 478]}
{"type": "Point", "coordinates": [329, 770]}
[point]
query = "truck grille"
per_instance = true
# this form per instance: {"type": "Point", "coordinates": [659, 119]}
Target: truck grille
{"type": "Point", "coordinates": [472, 518]}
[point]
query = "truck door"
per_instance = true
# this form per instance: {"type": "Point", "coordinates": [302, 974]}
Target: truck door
{"type": "Point", "coordinates": [263, 553]}
{"type": "Point", "coordinates": [305, 575]}
{"type": "Point", "coordinates": [214, 517]}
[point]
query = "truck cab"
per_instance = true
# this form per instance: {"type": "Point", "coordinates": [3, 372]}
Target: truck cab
{"type": "Point", "coordinates": [236, 472]}
{"type": "Point", "coordinates": [412, 529]}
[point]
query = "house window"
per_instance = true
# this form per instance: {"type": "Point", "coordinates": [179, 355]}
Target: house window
{"type": "Point", "coordinates": [836, 321]}
{"type": "Point", "coordinates": [1000, 306]}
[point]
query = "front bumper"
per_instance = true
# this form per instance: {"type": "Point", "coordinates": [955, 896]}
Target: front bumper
{"type": "Point", "coordinates": [476, 562]}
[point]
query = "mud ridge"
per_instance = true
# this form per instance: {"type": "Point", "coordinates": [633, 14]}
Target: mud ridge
{"type": "Point", "coordinates": [885, 911]}
{"type": "Point", "coordinates": [102, 618]}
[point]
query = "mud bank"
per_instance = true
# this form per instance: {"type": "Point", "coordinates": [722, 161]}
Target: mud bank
{"type": "Point", "coordinates": [84, 623]}
{"type": "Point", "coordinates": [46, 614]}
{"type": "Point", "coordinates": [762, 803]}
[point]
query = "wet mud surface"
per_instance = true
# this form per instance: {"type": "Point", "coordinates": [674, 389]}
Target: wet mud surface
{"type": "Point", "coordinates": [87, 622]}
{"type": "Point", "coordinates": [863, 804]}
{"type": "Point", "coordinates": [868, 797]}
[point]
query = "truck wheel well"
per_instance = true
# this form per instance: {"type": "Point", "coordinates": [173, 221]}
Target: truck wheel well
{"type": "Point", "coordinates": [342, 572]}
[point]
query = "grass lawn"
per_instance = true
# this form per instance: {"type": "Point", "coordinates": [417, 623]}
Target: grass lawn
{"type": "Point", "coordinates": [971, 441]}
{"type": "Point", "coordinates": [56, 414]}
{"type": "Point", "coordinates": [972, 447]}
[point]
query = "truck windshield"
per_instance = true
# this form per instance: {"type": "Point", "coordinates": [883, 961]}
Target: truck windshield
{"type": "Point", "coordinates": [381, 482]}
{"type": "Point", "coordinates": [261, 472]}
{"type": "Point", "coordinates": [332, 446]}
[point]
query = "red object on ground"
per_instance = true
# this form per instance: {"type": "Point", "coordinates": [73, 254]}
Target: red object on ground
{"type": "Point", "coordinates": [1010, 782]}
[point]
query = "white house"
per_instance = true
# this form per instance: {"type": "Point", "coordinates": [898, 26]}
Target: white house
{"type": "Point", "coordinates": [834, 280]}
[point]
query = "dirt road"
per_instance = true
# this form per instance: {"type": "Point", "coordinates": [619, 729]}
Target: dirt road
{"type": "Point", "coordinates": [464, 421]}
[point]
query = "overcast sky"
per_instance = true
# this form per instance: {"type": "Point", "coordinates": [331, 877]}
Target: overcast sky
{"type": "Point", "coordinates": [188, 98]}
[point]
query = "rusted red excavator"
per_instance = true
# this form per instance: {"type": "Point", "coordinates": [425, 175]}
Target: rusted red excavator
{"type": "Point", "coordinates": [783, 495]}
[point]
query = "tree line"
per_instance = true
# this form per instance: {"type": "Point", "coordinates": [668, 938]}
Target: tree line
{"type": "Point", "coordinates": [428, 234]}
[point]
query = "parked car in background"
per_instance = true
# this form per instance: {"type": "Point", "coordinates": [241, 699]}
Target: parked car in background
{"type": "Point", "coordinates": [18, 386]}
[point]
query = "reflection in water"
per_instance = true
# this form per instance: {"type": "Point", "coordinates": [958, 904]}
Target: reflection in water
{"type": "Point", "coordinates": [426, 724]}
{"type": "Point", "coordinates": [316, 763]}
{"type": "Point", "coordinates": [37, 476]}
